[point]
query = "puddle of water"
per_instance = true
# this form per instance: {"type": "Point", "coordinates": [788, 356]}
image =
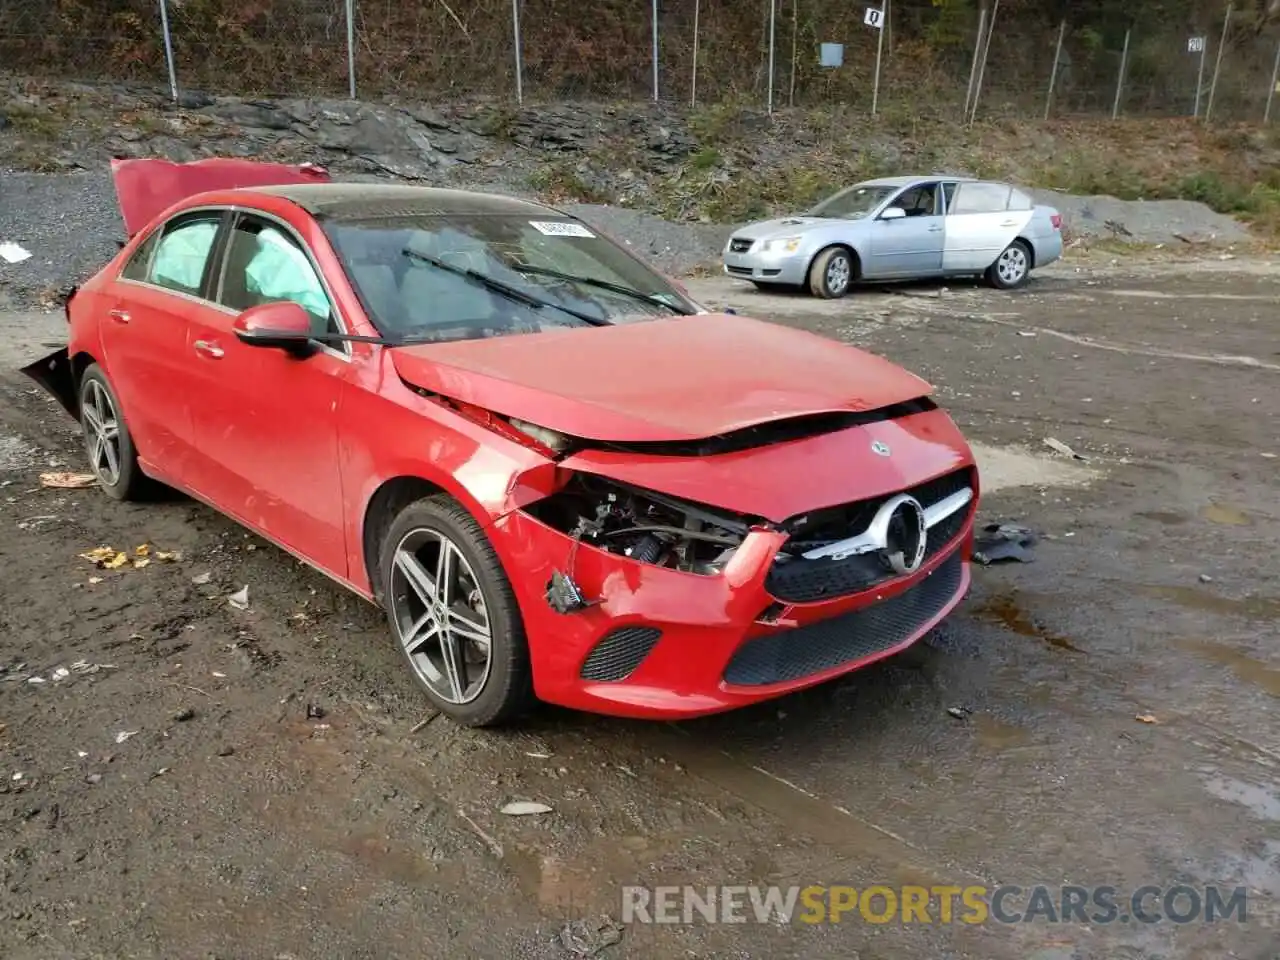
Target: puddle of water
{"type": "Point", "coordinates": [1167, 517]}
{"type": "Point", "coordinates": [1003, 467]}
{"type": "Point", "coordinates": [997, 735]}
{"type": "Point", "coordinates": [1005, 611]}
{"type": "Point", "coordinates": [1254, 608]}
{"type": "Point", "coordinates": [1244, 666]}
{"type": "Point", "coordinates": [1226, 514]}
{"type": "Point", "coordinates": [1261, 801]}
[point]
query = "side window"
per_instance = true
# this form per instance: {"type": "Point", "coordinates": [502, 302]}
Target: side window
{"type": "Point", "coordinates": [182, 253]}
{"type": "Point", "coordinates": [950, 190]}
{"type": "Point", "coordinates": [265, 265]}
{"type": "Point", "coordinates": [1019, 200]}
{"type": "Point", "coordinates": [981, 198]}
{"type": "Point", "coordinates": [140, 262]}
{"type": "Point", "coordinates": [919, 201]}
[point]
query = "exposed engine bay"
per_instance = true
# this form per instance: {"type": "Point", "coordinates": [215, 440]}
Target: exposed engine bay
{"type": "Point", "coordinates": [648, 527]}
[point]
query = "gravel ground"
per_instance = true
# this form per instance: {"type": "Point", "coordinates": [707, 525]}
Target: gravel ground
{"type": "Point", "coordinates": [69, 223]}
{"type": "Point", "coordinates": [171, 791]}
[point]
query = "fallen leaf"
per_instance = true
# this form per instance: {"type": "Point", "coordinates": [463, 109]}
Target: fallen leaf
{"type": "Point", "coordinates": [95, 579]}
{"type": "Point", "coordinates": [167, 556]}
{"type": "Point", "coordinates": [524, 808]}
{"type": "Point", "coordinates": [1146, 718]}
{"type": "Point", "coordinates": [124, 735]}
{"type": "Point", "coordinates": [141, 562]}
{"type": "Point", "coordinates": [142, 549]}
{"type": "Point", "coordinates": [61, 673]}
{"type": "Point", "coordinates": [200, 579]}
{"type": "Point", "coordinates": [68, 481]}
{"type": "Point", "coordinates": [240, 599]}
{"type": "Point", "coordinates": [1055, 444]}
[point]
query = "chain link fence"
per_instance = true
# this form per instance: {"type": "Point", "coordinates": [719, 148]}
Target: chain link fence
{"type": "Point", "coordinates": [905, 58]}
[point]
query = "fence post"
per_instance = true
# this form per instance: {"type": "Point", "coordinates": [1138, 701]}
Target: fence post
{"type": "Point", "coordinates": [1271, 90]}
{"type": "Point", "coordinates": [973, 65]}
{"type": "Point", "coordinates": [168, 49]}
{"type": "Point", "coordinates": [982, 67]}
{"type": "Point", "coordinates": [795, 42]}
{"type": "Point", "coordinates": [773, 28]}
{"type": "Point", "coordinates": [884, 25]}
{"type": "Point", "coordinates": [351, 47]}
{"type": "Point", "coordinates": [693, 79]}
{"type": "Point", "coordinates": [1124, 62]}
{"type": "Point", "coordinates": [654, 15]}
{"type": "Point", "coordinates": [1053, 77]}
{"type": "Point", "coordinates": [515, 26]}
{"type": "Point", "coordinates": [1217, 65]}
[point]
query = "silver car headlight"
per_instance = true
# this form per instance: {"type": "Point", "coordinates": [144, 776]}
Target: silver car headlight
{"type": "Point", "coordinates": [782, 245]}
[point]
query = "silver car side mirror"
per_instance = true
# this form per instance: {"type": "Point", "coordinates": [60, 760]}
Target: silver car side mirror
{"type": "Point", "coordinates": [893, 213]}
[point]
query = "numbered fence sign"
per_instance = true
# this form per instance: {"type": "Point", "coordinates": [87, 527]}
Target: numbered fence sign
{"type": "Point", "coordinates": [1195, 45]}
{"type": "Point", "coordinates": [873, 18]}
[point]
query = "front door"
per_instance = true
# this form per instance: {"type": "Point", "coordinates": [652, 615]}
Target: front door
{"type": "Point", "coordinates": [266, 422]}
{"type": "Point", "coordinates": [160, 289]}
{"type": "Point", "coordinates": [909, 246]}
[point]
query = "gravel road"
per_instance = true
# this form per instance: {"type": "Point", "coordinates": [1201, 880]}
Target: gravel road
{"type": "Point", "coordinates": [204, 781]}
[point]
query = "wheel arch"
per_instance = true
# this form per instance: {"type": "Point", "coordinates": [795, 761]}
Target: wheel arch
{"type": "Point", "coordinates": [844, 245]}
{"type": "Point", "coordinates": [1031, 250]}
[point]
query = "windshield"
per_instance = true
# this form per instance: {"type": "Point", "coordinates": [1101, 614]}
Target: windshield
{"type": "Point", "coordinates": [852, 203]}
{"type": "Point", "coordinates": [440, 277]}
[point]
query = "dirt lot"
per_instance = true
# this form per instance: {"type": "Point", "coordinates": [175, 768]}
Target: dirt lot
{"type": "Point", "coordinates": [233, 822]}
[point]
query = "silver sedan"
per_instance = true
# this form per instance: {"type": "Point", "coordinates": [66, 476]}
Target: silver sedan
{"type": "Point", "coordinates": [900, 228]}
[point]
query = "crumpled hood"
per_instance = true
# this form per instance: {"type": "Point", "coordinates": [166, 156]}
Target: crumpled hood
{"type": "Point", "coordinates": [683, 378]}
{"type": "Point", "coordinates": [147, 187]}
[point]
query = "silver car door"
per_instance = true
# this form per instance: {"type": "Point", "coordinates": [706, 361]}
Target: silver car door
{"type": "Point", "coordinates": [909, 246]}
{"type": "Point", "coordinates": [979, 226]}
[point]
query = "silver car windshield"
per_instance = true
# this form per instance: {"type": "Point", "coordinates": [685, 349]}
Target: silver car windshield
{"type": "Point", "coordinates": [852, 203]}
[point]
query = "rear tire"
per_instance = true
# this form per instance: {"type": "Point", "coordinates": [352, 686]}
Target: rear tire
{"type": "Point", "coordinates": [832, 273]}
{"type": "Point", "coordinates": [107, 441]}
{"type": "Point", "coordinates": [476, 670]}
{"type": "Point", "coordinates": [1012, 267]}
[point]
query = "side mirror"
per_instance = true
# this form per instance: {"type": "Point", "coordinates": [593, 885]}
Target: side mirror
{"type": "Point", "coordinates": [284, 325]}
{"type": "Point", "coordinates": [893, 213]}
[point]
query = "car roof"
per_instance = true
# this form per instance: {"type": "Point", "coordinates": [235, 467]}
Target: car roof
{"type": "Point", "coordinates": [906, 181]}
{"type": "Point", "coordinates": [355, 201]}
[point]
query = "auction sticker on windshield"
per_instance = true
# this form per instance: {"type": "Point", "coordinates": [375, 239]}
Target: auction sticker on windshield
{"type": "Point", "coordinates": [560, 228]}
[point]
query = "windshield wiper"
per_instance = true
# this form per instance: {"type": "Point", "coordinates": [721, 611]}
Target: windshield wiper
{"type": "Point", "coordinates": [603, 285]}
{"type": "Point", "coordinates": [504, 289]}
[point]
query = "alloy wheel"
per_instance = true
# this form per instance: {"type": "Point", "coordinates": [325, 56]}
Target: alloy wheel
{"type": "Point", "coordinates": [838, 274]}
{"type": "Point", "coordinates": [1012, 265]}
{"type": "Point", "coordinates": [440, 616]}
{"type": "Point", "coordinates": [102, 432]}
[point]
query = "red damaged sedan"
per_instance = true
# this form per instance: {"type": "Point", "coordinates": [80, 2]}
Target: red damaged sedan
{"type": "Point", "coordinates": [560, 478]}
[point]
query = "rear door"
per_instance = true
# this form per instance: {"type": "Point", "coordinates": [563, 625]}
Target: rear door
{"type": "Point", "coordinates": [160, 290]}
{"type": "Point", "coordinates": [909, 246]}
{"type": "Point", "coordinates": [266, 422]}
{"type": "Point", "coordinates": [979, 225]}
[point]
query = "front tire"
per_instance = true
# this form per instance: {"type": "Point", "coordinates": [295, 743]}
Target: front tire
{"type": "Point", "coordinates": [107, 441]}
{"type": "Point", "coordinates": [1012, 267]}
{"type": "Point", "coordinates": [832, 273]}
{"type": "Point", "coordinates": [454, 614]}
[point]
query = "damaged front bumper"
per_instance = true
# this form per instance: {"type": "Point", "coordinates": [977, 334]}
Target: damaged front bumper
{"type": "Point", "coordinates": [658, 642]}
{"type": "Point", "coordinates": [56, 375]}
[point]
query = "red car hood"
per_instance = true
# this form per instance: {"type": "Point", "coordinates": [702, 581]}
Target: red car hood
{"type": "Point", "coordinates": [145, 188]}
{"type": "Point", "coordinates": [684, 378]}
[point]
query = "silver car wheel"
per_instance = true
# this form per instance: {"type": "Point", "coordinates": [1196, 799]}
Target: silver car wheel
{"type": "Point", "coordinates": [838, 274]}
{"type": "Point", "coordinates": [439, 615]}
{"type": "Point", "coordinates": [101, 433]}
{"type": "Point", "coordinates": [1012, 265]}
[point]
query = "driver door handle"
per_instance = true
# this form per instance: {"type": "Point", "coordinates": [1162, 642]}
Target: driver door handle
{"type": "Point", "coordinates": [211, 350]}
{"type": "Point", "coordinates": [935, 229]}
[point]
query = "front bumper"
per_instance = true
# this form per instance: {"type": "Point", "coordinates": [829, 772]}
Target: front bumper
{"type": "Point", "coordinates": [761, 267]}
{"type": "Point", "coordinates": [659, 643]}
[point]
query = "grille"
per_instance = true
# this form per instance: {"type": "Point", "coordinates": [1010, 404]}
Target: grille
{"type": "Point", "coordinates": [740, 246]}
{"type": "Point", "coordinates": [619, 653]}
{"type": "Point", "coordinates": [807, 581]}
{"type": "Point", "coordinates": [803, 651]}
